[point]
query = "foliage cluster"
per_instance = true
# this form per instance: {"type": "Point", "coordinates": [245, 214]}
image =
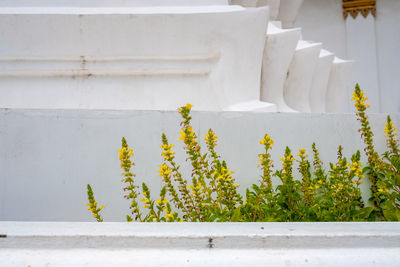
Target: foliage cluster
{"type": "Point", "coordinates": [331, 194]}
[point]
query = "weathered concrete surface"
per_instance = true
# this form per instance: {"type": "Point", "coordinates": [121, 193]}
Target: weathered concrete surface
{"type": "Point", "coordinates": [200, 244]}
{"type": "Point", "coordinates": [143, 58]}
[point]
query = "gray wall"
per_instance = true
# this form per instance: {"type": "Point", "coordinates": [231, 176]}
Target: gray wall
{"type": "Point", "coordinates": [48, 156]}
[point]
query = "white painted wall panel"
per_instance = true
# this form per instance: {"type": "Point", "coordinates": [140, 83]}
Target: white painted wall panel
{"type": "Point", "coordinates": [323, 21]}
{"type": "Point", "coordinates": [48, 156]}
{"type": "Point", "coordinates": [388, 46]}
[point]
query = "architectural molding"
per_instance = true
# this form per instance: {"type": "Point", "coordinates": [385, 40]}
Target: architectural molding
{"type": "Point", "coordinates": [354, 7]}
{"type": "Point", "coordinates": [87, 66]}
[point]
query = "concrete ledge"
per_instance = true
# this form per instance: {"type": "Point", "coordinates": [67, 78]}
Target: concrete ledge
{"type": "Point", "coordinates": [52, 235]}
{"type": "Point", "coordinates": [173, 244]}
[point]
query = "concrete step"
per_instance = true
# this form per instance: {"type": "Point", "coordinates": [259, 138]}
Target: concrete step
{"type": "Point", "coordinates": [199, 244]}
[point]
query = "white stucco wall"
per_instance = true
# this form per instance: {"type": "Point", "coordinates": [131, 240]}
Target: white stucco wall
{"type": "Point", "coordinates": [323, 21]}
{"type": "Point", "coordinates": [388, 46]}
{"type": "Point", "coordinates": [144, 58]}
{"type": "Point", "coordinates": [98, 3]}
{"type": "Point", "coordinates": [48, 156]}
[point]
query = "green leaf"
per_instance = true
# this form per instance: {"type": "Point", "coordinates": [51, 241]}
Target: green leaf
{"type": "Point", "coordinates": [236, 217]}
{"type": "Point", "coordinates": [390, 212]}
{"type": "Point", "coordinates": [365, 212]}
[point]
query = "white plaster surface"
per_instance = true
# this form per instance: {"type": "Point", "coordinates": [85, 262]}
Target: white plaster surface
{"type": "Point", "coordinates": [300, 76]}
{"type": "Point", "coordinates": [99, 3]}
{"type": "Point", "coordinates": [279, 49]}
{"type": "Point", "coordinates": [254, 106]}
{"type": "Point", "coordinates": [320, 81]}
{"type": "Point", "coordinates": [361, 34]}
{"type": "Point", "coordinates": [323, 21]}
{"type": "Point", "coordinates": [387, 32]}
{"type": "Point", "coordinates": [288, 10]}
{"type": "Point", "coordinates": [225, 257]}
{"type": "Point", "coordinates": [272, 4]}
{"type": "Point", "coordinates": [339, 86]}
{"type": "Point", "coordinates": [199, 244]}
{"type": "Point", "coordinates": [47, 157]}
{"type": "Point", "coordinates": [107, 58]}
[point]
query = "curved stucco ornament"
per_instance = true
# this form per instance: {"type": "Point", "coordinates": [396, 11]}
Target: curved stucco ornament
{"type": "Point", "coordinates": [356, 6]}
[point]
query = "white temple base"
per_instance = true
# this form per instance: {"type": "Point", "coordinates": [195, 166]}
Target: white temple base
{"type": "Point", "coordinates": [253, 106]}
{"type": "Point", "coordinates": [300, 75]}
{"type": "Point", "coordinates": [320, 81]}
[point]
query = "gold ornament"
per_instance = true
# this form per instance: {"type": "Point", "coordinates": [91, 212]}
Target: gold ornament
{"type": "Point", "coordinates": [353, 7]}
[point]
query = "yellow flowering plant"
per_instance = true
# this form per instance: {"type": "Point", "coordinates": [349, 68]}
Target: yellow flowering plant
{"type": "Point", "coordinates": [288, 194]}
{"type": "Point", "coordinates": [389, 186]}
{"type": "Point", "coordinates": [305, 191]}
{"type": "Point", "coordinates": [212, 194]}
{"type": "Point", "coordinates": [125, 155]}
{"type": "Point", "coordinates": [92, 205]}
{"type": "Point", "coordinates": [383, 172]}
{"type": "Point", "coordinates": [260, 204]}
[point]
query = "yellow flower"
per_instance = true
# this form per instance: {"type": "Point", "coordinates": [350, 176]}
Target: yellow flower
{"type": "Point", "coordinates": [169, 216]}
{"type": "Point", "coordinates": [189, 106]}
{"type": "Point", "coordinates": [145, 200]}
{"type": "Point", "coordinates": [183, 135]}
{"type": "Point", "coordinates": [164, 170]}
